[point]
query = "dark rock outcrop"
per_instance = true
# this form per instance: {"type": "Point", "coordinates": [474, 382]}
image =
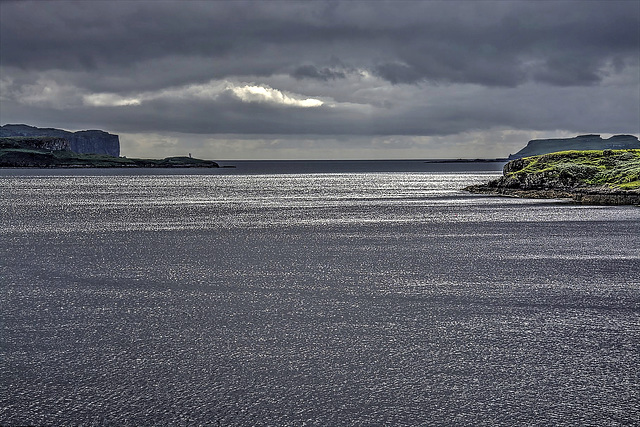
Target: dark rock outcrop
{"type": "Point", "coordinates": [82, 142]}
{"type": "Point", "coordinates": [536, 147]}
{"type": "Point", "coordinates": [26, 159]}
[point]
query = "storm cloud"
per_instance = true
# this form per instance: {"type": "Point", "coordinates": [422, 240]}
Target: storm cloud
{"type": "Point", "coordinates": [431, 72]}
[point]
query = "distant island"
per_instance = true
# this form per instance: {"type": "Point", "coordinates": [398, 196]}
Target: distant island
{"type": "Point", "coordinates": [55, 152]}
{"type": "Point", "coordinates": [609, 177]}
{"type": "Point", "coordinates": [536, 147]}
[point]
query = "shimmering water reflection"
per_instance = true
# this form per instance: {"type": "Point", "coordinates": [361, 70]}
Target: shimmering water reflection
{"type": "Point", "coordinates": [318, 299]}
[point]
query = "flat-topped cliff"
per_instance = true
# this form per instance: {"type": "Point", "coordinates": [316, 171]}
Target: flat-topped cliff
{"type": "Point", "coordinates": [82, 142]}
{"type": "Point", "coordinates": [536, 147]}
{"type": "Point", "coordinates": [592, 176]}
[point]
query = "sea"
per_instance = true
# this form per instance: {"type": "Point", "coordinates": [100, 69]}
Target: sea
{"type": "Point", "coordinates": [320, 293]}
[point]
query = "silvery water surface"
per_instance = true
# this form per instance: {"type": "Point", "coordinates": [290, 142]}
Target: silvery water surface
{"type": "Point", "coordinates": [279, 294]}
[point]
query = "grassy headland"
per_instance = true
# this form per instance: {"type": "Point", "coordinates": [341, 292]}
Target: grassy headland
{"type": "Point", "coordinates": [18, 152]}
{"type": "Point", "coordinates": [592, 176]}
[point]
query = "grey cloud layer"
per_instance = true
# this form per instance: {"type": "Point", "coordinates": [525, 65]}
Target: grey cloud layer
{"type": "Point", "coordinates": [491, 43]}
{"type": "Point", "coordinates": [378, 68]}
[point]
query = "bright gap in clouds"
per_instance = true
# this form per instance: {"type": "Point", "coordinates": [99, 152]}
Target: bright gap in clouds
{"type": "Point", "coordinates": [108, 100]}
{"type": "Point", "coordinates": [252, 93]}
{"type": "Point", "coordinates": [249, 93]}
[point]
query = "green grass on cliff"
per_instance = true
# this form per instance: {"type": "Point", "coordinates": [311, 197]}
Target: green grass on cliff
{"type": "Point", "coordinates": [613, 168]}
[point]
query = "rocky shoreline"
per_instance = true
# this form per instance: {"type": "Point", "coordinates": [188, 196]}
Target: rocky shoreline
{"type": "Point", "coordinates": [587, 196]}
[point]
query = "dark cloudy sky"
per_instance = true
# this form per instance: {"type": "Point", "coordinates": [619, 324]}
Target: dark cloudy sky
{"type": "Point", "coordinates": [346, 79]}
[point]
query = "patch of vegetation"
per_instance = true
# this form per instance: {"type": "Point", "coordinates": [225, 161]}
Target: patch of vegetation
{"type": "Point", "coordinates": [11, 142]}
{"type": "Point", "coordinates": [613, 168]}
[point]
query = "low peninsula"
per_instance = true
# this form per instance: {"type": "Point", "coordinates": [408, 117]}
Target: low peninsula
{"type": "Point", "coordinates": [607, 177]}
{"type": "Point", "coordinates": [55, 152]}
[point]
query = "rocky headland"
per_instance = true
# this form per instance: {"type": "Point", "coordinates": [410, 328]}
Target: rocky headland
{"type": "Point", "coordinates": [610, 177]}
{"type": "Point", "coordinates": [81, 142]}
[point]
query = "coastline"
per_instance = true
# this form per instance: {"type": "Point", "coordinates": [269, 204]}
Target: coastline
{"type": "Point", "coordinates": [148, 164]}
{"type": "Point", "coordinates": [64, 159]}
{"type": "Point", "coordinates": [55, 152]}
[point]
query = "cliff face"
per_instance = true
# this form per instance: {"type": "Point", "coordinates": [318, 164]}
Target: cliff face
{"type": "Point", "coordinates": [83, 142]}
{"type": "Point", "coordinates": [537, 147]}
{"type": "Point", "coordinates": [95, 142]}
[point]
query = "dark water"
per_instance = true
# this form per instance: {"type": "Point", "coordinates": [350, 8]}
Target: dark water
{"type": "Point", "coordinates": [262, 167]}
{"type": "Point", "coordinates": [362, 298]}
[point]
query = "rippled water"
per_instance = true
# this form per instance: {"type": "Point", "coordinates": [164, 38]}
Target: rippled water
{"type": "Point", "coordinates": [317, 299]}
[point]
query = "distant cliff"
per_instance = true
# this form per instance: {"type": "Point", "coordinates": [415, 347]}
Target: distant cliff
{"type": "Point", "coordinates": [536, 147]}
{"type": "Point", "coordinates": [82, 142]}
